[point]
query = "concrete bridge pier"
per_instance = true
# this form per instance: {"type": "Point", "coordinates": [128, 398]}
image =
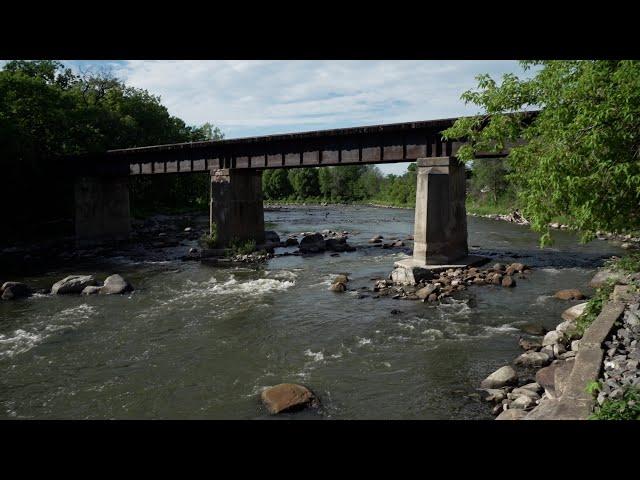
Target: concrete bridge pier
{"type": "Point", "coordinates": [440, 227]}
{"type": "Point", "coordinates": [101, 210]}
{"type": "Point", "coordinates": [236, 205]}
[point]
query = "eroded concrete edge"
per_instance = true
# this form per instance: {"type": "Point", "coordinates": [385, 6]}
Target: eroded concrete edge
{"type": "Point", "coordinates": [576, 403]}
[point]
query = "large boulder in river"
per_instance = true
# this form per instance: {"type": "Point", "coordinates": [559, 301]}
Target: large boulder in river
{"type": "Point", "coordinates": [570, 314]}
{"type": "Point", "coordinates": [286, 397]}
{"type": "Point", "coordinates": [503, 376]}
{"type": "Point", "coordinates": [72, 284]}
{"type": "Point", "coordinates": [14, 290]}
{"type": "Point", "coordinates": [605, 275]}
{"type": "Point", "coordinates": [115, 284]}
{"type": "Point", "coordinates": [312, 243]}
{"type": "Point", "coordinates": [271, 237]}
{"type": "Point", "coordinates": [569, 294]}
{"type": "Point", "coordinates": [532, 359]}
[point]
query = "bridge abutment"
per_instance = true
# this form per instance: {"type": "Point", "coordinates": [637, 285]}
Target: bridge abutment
{"type": "Point", "coordinates": [236, 205]}
{"type": "Point", "coordinates": [101, 210]}
{"type": "Point", "coordinates": [440, 226]}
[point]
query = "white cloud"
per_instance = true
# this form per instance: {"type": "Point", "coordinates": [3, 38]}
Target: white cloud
{"type": "Point", "coordinates": [246, 98]}
{"type": "Point", "coordinates": [261, 97]}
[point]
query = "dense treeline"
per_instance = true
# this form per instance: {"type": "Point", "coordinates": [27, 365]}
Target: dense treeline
{"type": "Point", "coordinates": [46, 110]}
{"type": "Point", "coordinates": [344, 184]}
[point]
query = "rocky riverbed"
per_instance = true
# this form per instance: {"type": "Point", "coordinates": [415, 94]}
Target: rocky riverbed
{"type": "Point", "coordinates": [199, 339]}
{"type": "Point", "coordinates": [539, 376]}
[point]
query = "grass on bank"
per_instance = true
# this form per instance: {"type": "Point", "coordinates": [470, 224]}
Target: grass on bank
{"type": "Point", "coordinates": [629, 263]}
{"type": "Point", "coordinates": [625, 408]}
{"type": "Point", "coordinates": [594, 307]}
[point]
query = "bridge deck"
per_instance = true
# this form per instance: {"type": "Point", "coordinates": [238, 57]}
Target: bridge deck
{"type": "Point", "coordinates": [390, 143]}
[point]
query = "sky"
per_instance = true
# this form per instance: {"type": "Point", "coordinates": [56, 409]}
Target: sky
{"type": "Point", "coordinates": [262, 97]}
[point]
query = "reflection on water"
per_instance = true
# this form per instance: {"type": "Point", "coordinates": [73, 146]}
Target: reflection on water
{"type": "Point", "coordinates": [194, 341]}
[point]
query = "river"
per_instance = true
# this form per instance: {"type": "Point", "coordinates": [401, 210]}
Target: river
{"type": "Point", "coordinates": [199, 342]}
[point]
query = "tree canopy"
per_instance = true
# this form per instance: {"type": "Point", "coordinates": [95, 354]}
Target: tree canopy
{"type": "Point", "coordinates": [48, 110]}
{"type": "Point", "coordinates": [580, 158]}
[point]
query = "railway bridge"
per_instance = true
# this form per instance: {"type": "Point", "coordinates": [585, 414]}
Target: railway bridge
{"type": "Point", "coordinates": [235, 167]}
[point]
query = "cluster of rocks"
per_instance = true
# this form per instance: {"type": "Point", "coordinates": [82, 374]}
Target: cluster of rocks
{"type": "Point", "coordinates": [514, 394]}
{"type": "Point", "coordinates": [627, 241]}
{"type": "Point", "coordinates": [72, 284]}
{"type": "Point", "coordinates": [377, 241]}
{"type": "Point", "coordinates": [446, 283]}
{"type": "Point", "coordinates": [551, 355]}
{"type": "Point", "coordinates": [513, 217]}
{"type": "Point", "coordinates": [622, 356]}
{"type": "Point", "coordinates": [327, 240]}
{"type": "Point", "coordinates": [288, 397]}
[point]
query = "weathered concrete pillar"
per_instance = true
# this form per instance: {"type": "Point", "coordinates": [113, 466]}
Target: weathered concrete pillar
{"type": "Point", "coordinates": [440, 228]}
{"type": "Point", "coordinates": [236, 205]}
{"type": "Point", "coordinates": [102, 209]}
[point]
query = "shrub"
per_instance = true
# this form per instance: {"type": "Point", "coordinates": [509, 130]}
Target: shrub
{"type": "Point", "coordinates": [626, 408]}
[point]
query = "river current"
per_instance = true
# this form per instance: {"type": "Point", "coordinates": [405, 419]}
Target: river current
{"type": "Point", "coordinates": [195, 341]}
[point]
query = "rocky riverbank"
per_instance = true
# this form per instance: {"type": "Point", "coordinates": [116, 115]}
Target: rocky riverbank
{"type": "Point", "coordinates": [627, 241]}
{"type": "Point", "coordinates": [537, 382]}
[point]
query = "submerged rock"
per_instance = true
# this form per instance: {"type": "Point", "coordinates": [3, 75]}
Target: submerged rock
{"type": "Point", "coordinates": [72, 284]}
{"type": "Point", "coordinates": [15, 290]}
{"type": "Point", "coordinates": [287, 397]}
{"type": "Point", "coordinates": [271, 237]}
{"type": "Point", "coordinates": [533, 329]}
{"type": "Point", "coordinates": [569, 294]}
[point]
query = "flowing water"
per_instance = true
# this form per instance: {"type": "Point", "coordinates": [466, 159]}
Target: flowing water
{"type": "Point", "coordinates": [196, 341]}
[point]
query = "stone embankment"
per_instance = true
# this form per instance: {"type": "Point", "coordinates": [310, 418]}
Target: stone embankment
{"type": "Point", "coordinates": [549, 380]}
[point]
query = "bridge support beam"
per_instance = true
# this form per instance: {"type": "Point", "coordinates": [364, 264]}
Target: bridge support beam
{"type": "Point", "coordinates": [101, 210]}
{"type": "Point", "coordinates": [236, 205]}
{"type": "Point", "coordinates": [440, 227]}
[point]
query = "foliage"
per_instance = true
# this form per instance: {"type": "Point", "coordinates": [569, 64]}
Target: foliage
{"type": "Point", "coordinates": [489, 181]}
{"type": "Point", "coordinates": [210, 240]}
{"type": "Point", "coordinates": [628, 263]}
{"type": "Point", "coordinates": [239, 247]}
{"type": "Point", "coordinates": [594, 307]}
{"type": "Point", "coordinates": [593, 387]}
{"type": "Point", "coordinates": [275, 184]}
{"type": "Point", "coordinates": [580, 156]}
{"type": "Point", "coordinates": [46, 110]}
{"type": "Point", "coordinates": [304, 182]}
{"type": "Point", "coordinates": [625, 408]}
{"type": "Point", "coordinates": [340, 184]}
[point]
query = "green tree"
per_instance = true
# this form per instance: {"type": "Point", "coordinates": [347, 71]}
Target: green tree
{"type": "Point", "coordinates": [580, 158]}
{"type": "Point", "coordinates": [304, 182]}
{"type": "Point", "coordinates": [489, 179]}
{"type": "Point", "coordinates": [46, 110]}
{"type": "Point", "coordinates": [275, 184]}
